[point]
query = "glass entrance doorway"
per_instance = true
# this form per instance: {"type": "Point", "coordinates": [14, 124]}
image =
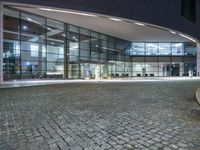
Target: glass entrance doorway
{"type": "Point", "coordinates": [171, 70]}
{"type": "Point", "coordinates": [175, 69]}
{"type": "Point", "coordinates": [93, 71]}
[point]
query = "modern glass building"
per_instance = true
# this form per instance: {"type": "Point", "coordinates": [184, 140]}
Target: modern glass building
{"type": "Point", "coordinates": [38, 47]}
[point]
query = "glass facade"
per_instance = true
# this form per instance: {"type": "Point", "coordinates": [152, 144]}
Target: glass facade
{"type": "Point", "coordinates": [39, 47]}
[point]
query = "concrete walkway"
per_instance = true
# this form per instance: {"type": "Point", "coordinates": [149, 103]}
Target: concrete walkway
{"type": "Point", "coordinates": [37, 82]}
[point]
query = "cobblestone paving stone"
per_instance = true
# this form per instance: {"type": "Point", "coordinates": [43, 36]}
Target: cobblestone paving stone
{"type": "Point", "coordinates": [97, 116]}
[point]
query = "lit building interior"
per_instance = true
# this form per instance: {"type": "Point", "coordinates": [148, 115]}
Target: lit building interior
{"type": "Point", "coordinates": [37, 46]}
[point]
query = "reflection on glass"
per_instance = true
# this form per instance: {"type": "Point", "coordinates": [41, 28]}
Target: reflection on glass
{"type": "Point", "coordinates": [151, 48]}
{"type": "Point", "coordinates": [53, 49]}
{"type": "Point", "coordinates": [164, 48]}
{"type": "Point", "coordinates": [190, 49]}
{"type": "Point", "coordinates": [137, 49]}
{"type": "Point", "coordinates": [177, 49]}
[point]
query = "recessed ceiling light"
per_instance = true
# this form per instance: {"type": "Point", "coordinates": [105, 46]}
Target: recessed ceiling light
{"type": "Point", "coordinates": [172, 32]}
{"type": "Point", "coordinates": [187, 37]}
{"type": "Point", "coordinates": [29, 19]}
{"type": "Point", "coordinates": [49, 28]}
{"type": "Point", "coordinates": [24, 27]}
{"type": "Point", "coordinates": [64, 35]}
{"type": "Point", "coordinates": [140, 24]}
{"type": "Point", "coordinates": [115, 19]}
{"type": "Point", "coordinates": [69, 12]}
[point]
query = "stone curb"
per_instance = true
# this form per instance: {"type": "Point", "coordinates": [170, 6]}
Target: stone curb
{"type": "Point", "coordinates": [197, 96]}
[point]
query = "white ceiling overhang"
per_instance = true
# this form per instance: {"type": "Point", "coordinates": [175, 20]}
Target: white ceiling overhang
{"type": "Point", "coordinates": [130, 30]}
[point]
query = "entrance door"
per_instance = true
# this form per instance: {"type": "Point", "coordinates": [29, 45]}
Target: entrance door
{"type": "Point", "coordinates": [175, 70]}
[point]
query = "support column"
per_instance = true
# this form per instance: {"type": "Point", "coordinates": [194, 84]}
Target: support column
{"type": "Point", "coordinates": [198, 59]}
{"type": "Point", "coordinates": [1, 42]}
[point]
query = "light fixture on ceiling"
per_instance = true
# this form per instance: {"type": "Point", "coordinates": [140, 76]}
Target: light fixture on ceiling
{"type": "Point", "coordinates": [172, 32]}
{"type": "Point", "coordinates": [140, 24]}
{"type": "Point", "coordinates": [49, 28]}
{"type": "Point", "coordinates": [24, 27]}
{"type": "Point", "coordinates": [29, 19]}
{"type": "Point", "coordinates": [115, 19]}
{"type": "Point", "coordinates": [68, 12]}
{"type": "Point", "coordinates": [187, 37]}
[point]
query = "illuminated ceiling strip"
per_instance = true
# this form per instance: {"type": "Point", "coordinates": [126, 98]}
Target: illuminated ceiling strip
{"type": "Point", "coordinates": [115, 19]}
{"type": "Point", "coordinates": [69, 12]}
{"type": "Point", "coordinates": [172, 32]}
{"type": "Point", "coordinates": [187, 37]}
{"type": "Point", "coordinates": [140, 24]}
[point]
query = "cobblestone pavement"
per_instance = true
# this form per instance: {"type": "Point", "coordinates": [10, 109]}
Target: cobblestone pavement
{"type": "Point", "coordinates": [87, 116]}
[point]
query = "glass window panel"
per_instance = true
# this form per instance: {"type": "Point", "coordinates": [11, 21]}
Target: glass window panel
{"type": "Point", "coordinates": [55, 58]}
{"type": "Point", "coordinates": [111, 42]}
{"type": "Point", "coordinates": [103, 56]}
{"type": "Point", "coordinates": [139, 69]}
{"type": "Point", "coordinates": [84, 46]}
{"type": "Point", "coordinates": [11, 19]}
{"type": "Point", "coordinates": [151, 48]}
{"type": "Point", "coordinates": [11, 35]}
{"type": "Point", "coordinates": [164, 49]}
{"type": "Point", "coordinates": [84, 31]}
{"type": "Point", "coordinates": [11, 25]}
{"type": "Point", "coordinates": [74, 54]}
{"type": "Point", "coordinates": [55, 43]}
{"type": "Point", "coordinates": [190, 48]}
{"type": "Point", "coordinates": [189, 67]}
{"type": "Point", "coordinates": [26, 55]}
{"type": "Point", "coordinates": [94, 48]}
{"type": "Point", "coordinates": [11, 47]}
{"type": "Point", "coordinates": [151, 69]}
{"type": "Point", "coordinates": [120, 45]}
{"type": "Point", "coordinates": [137, 49]}
{"type": "Point", "coordinates": [165, 68]}
{"type": "Point", "coordinates": [73, 36]}
{"type": "Point", "coordinates": [11, 59]}
{"type": "Point", "coordinates": [55, 49]}
{"type": "Point", "coordinates": [73, 45]}
{"type": "Point", "coordinates": [85, 38]}
{"type": "Point", "coordinates": [103, 37]}
{"type": "Point", "coordinates": [55, 35]}
{"type": "Point", "coordinates": [32, 28]}
{"type": "Point", "coordinates": [94, 41]}
{"type": "Point", "coordinates": [103, 43]}
{"type": "Point", "coordinates": [85, 55]}
{"type": "Point", "coordinates": [73, 28]}
{"type": "Point", "coordinates": [53, 24]}
{"type": "Point", "coordinates": [177, 49]}
{"type": "Point", "coordinates": [94, 34]}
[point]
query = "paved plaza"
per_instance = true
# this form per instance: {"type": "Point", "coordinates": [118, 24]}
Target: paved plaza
{"type": "Point", "coordinates": [101, 115]}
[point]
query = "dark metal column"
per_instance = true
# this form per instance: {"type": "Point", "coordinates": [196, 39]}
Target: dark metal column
{"type": "Point", "coordinates": [1, 42]}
